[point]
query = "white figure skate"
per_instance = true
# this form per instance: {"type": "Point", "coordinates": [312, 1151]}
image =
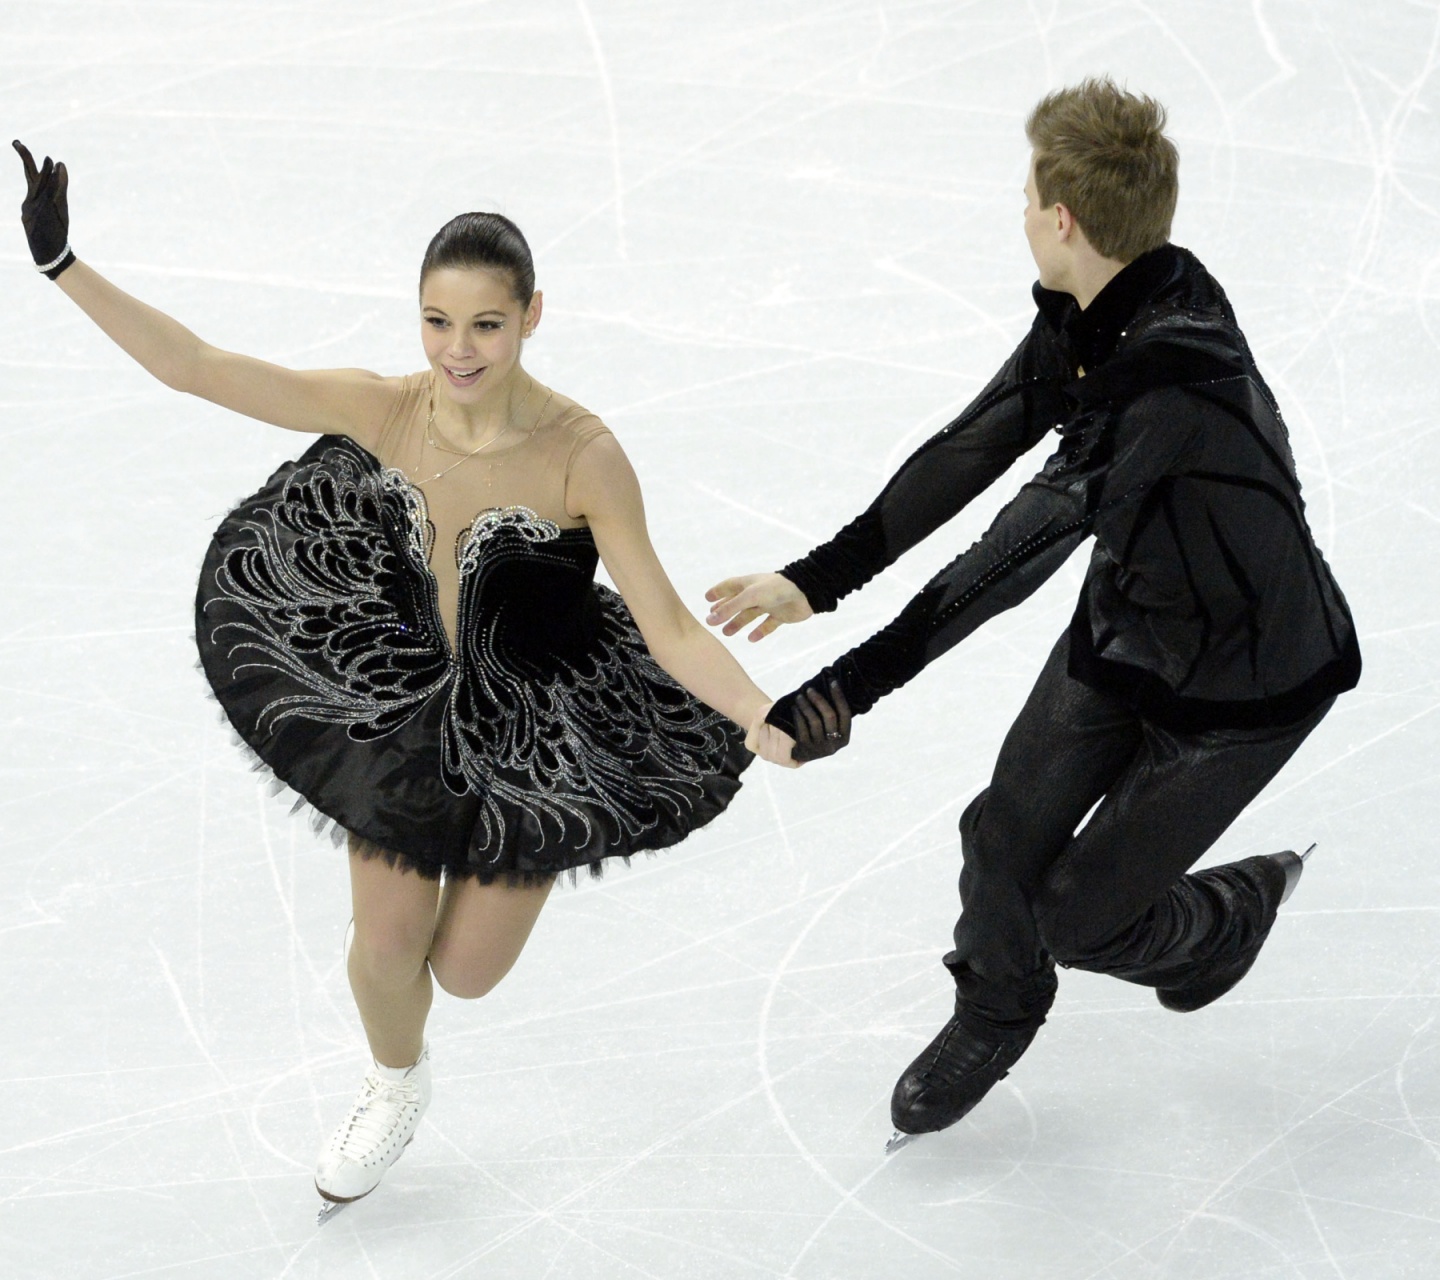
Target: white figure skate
{"type": "Point", "coordinates": [372, 1137]}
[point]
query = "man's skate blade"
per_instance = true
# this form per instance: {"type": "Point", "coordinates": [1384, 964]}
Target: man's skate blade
{"type": "Point", "coordinates": [1293, 865]}
{"type": "Point", "coordinates": [898, 1140]}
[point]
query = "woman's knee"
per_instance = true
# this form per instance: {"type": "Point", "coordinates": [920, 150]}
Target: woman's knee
{"type": "Point", "coordinates": [481, 932]}
{"type": "Point", "coordinates": [463, 981]}
{"type": "Point", "coordinates": [392, 949]}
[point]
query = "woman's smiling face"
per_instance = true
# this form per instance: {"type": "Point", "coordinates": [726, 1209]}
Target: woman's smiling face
{"type": "Point", "coordinates": [472, 329]}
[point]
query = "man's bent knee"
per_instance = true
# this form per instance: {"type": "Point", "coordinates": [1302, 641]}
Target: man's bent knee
{"type": "Point", "coordinates": [971, 817]}
{"type": "Point", "coordinates": [1073, 936]}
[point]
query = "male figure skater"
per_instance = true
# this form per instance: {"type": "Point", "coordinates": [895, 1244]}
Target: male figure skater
{"type": "Point", "coordinates": [1209, 638]}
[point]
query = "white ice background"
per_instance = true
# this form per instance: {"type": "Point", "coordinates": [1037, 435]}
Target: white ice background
{"type": "Point", "coordinates": [780, 243]}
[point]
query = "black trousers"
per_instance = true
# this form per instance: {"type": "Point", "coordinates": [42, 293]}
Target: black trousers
{"type": "Point", "coordinates": [1113, 896]}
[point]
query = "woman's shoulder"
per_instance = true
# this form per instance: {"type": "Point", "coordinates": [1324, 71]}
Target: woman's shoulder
{"type": "Point", "coordinates": [397, 399]}
{"type": "Point", "coordinates": [573, 421]}
{"type": "Point", "coordinates": [408, 387]}
{"type": "Point", "coordinates": [571, 427]}
{"type": "Point", "coordinates": [396, 392]}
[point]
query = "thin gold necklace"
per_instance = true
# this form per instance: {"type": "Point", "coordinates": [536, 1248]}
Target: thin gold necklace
{"type": "Point", "coordinates": [440, 447]}
{"type": "Point", "coordinates": [464, 457]}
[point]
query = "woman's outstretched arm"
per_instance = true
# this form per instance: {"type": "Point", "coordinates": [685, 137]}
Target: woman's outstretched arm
{"type": "Point", "coordinates": [602, 487]}
{"type": "Point", "coordinates": [318, 400]}
{"type": "Point", "coordinates": [322, 400]}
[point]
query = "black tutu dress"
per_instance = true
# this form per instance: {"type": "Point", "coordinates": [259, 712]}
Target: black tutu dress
{"type": "Point", "coordinates": [544, 739]}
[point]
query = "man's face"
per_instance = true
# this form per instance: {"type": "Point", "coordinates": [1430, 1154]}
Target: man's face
{"type": "Point", "coordinates": [1040, 229]}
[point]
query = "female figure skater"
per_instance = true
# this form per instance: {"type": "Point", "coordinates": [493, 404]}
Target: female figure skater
{"type": "Point", "coordinates": [404, 627]}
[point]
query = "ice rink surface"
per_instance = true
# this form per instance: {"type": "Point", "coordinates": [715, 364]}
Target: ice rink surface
{"type": "Point", "coordinates": [780, 244]}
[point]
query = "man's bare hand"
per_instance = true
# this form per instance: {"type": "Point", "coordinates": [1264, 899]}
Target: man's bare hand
{"type": "Point", "coordinates": [737, 602]}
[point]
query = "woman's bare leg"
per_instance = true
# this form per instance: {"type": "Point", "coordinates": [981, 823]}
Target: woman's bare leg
{"type": "Point", "coordinates": [389, 975]}
{"type": "Point", "coordinates": [481, 930]}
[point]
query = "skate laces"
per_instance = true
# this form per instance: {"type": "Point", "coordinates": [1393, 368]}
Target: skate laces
{"type": "Point", "coordinates": [378, 1112]}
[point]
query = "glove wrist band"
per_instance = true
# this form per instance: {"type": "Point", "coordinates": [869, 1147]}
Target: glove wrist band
{"type": "Point", "coordinates": [50, 266]}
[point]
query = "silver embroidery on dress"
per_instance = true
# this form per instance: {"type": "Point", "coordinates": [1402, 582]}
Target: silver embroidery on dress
{"type": "Point", "coordinates": [421, 532]}
{"type": "Point", "coordinates": [313, 583]}
{"type": "Point", "coordinates": [497, 520]}
{"type": "Point", "coordinates": [606, 735]}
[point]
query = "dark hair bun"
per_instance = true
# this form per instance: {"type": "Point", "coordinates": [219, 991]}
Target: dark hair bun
{"type": "Point", "coordinates": [486, 240]}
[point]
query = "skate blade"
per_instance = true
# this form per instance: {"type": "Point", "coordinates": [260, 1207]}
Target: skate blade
{"type": "Point", "coordinates": [328, 1209]}
{"type": "Point", "coordinates": [898, 1140]}
{"type": "Point", "coordinates": [1294, 869]}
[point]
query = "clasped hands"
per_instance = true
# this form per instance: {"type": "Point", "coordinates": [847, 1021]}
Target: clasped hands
{"type": "Point", "coordinates": [822, 727]}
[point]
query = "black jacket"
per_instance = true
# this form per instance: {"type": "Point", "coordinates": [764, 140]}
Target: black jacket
{"type": "Point", "coordinates": [1207, 603]}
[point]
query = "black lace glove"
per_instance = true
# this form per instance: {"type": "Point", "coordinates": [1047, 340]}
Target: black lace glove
{"type": "Point", "coordinates": [46, 213]}
{"type": "Point", "coordinates": [821, 727]}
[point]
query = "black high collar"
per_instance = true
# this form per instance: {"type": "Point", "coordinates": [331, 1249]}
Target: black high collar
{"type": "Point", "coordinates": [1092, 334]}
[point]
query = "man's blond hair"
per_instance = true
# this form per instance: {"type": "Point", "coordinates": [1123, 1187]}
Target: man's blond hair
{"type": "Point", "coordinates": [1101, 151]}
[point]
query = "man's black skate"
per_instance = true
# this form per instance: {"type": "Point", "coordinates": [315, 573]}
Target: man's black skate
{"type": "Point", "coordinates": [951, 1075]}
{"type": "Point", "coordinates": [1275, 874]}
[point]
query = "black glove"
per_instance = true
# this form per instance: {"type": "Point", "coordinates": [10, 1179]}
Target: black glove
{"type": "Point", "coordinates": [821, 728]}
{"type": "Point", "coordinates": [46, 213]}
